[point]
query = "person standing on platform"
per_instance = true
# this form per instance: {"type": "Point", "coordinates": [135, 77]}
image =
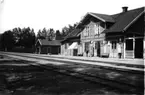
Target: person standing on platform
{"type": "Point", "coordinates": [119, 50]}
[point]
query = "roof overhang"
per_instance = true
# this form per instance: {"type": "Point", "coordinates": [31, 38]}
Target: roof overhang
{"type": "Point", "coordinates": [71, 38]}
{"type": "Point", "coordinates": [74, 45]}
{"type": "Point", "coordinates": [97, 17]}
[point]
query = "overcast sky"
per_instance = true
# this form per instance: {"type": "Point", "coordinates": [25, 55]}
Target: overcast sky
{"type": "Point", "coordinates": [56, 14]}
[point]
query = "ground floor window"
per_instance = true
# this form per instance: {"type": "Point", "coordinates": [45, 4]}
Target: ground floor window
{"type": "Point", "coordinates": [129, 44]}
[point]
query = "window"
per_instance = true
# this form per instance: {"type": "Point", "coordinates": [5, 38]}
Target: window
{"type": "Point", "coordinates": [114, 44]}
{"type": "Point", "coordinates": [92, 29]}
{"type": "Point", "coordinates": [88, 28]}
{"type": "Point", "coordinates": [96, 28]}
{"type": "Point", "coordinates": [129, 44]}
{"type": "Point", "coordinates": [85, 32]}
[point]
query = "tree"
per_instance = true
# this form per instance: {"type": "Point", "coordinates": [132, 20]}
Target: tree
{"type": "Point", "coordinates": [44, 33]}
{"type": "Point", "coordinates": [67, 30]}
{"type": "Point", "coordinates": [7, 39]}
{"type": "Point", "coordinates": [17, 34]}
{"type": "Point", "coordinates": [24, 37]}
{"type": "Point", "coordinates": [28, 39]}
{"type": "Point", "coordinates": [39, 35]}
{"type": "Point", "coordinates": [31, 38]}
{"type": "Point", "coordinates": [58, 36]}
{"type": "Point", "coordinates": [51, 34]}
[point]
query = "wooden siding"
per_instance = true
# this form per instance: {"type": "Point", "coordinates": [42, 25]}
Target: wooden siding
{"type": "Point", "coordinates": [50, 49]}
{"type": "Point", "coordinates": [113, 52]}
{"type": "Point", "coordinates": [129, 54]}
{"type": "Point", "coordinates": [64, 48]}
{"type": "Point", "coordinates": [92, 30]}
{"type": "Point", "coordinates": [92, 34]}
{"type": "Point", "coordinates": [70, 52]}
{"type": "Point", "coordinates": [44, 50]}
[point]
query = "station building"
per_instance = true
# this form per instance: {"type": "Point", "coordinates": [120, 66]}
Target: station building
{"type": "Point", "coordinates": [108, 35]}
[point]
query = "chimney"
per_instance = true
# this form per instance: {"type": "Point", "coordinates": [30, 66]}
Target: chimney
{"type": "Point", "coordinates": [124, 9]}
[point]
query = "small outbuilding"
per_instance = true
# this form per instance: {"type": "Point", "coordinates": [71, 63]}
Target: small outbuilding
{"type": "Point", "coordinates": [44, 46]}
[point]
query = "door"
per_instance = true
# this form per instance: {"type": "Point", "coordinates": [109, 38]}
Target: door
{"type": "Point", "coordinates": [97, 46]}
{"type": "Point", "coordinates": [138, 48]}
{"type": "Point", "coordinates": [49, 50]}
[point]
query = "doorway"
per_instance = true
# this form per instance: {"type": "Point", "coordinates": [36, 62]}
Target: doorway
{"type": "Point", "coordinates": [97, 46]}
{"type": "Point", "coordinates": [138, 48]}
{"type": "Point", "coordinates": [49, 50]}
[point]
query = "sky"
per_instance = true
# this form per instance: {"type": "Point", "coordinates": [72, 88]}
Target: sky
{"type": "Point", "coordinates": [56, 14]}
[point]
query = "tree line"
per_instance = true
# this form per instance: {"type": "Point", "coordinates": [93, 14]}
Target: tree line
{"type": "Point", "coordinates": [24, 39]}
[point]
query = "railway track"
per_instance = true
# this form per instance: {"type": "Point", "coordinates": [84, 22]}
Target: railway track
{"type": "Point", "coordinates": [89, 77]}
{"type": "Point", "coordinates": [56, 59]}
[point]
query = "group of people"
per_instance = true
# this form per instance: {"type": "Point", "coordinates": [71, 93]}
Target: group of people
{"type": "Point", "coordinates": [90, 52]}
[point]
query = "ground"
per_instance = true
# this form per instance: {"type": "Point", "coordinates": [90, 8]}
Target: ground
{"type": "Point", "coordinates": [18, 77]}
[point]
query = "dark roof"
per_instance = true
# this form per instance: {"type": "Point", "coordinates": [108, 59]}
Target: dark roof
{"type": "Point", "coordinates": [122, 20]}
{"type": "Point", "coordinates": [74, 33]}
{"type": "Point", "coordinates": [104, 17]}
{"type": "Point", "coordinates": [45, 42]}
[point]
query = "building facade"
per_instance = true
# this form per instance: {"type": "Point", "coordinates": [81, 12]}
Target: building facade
{"type": "Point", "coordinates": [69, 46]}
{"type": "Point", "coordinates": [120, 35]}
{"type": "Point", "coordinates": [43, 46]}
{"type": "Point", "coordinates": [127, 34]}
{"type": "Point", "coordinates": [92, 38]}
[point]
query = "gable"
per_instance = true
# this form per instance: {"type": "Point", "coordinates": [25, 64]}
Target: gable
{"type": "Point", "coordinates": [93, 29]}
{"type": "Point", "coordinates": [86, 20]}
{"type": "Point", "coordinates": [38, 43]}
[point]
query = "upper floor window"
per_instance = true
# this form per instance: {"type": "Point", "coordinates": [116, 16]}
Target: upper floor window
{"type": "Point", "coordinates": [96, 28]}
{"type": "Point", "coordinates": [99, 27]}
{"type": "Point", "coordinates": [93, 28]}
{"type": "Point", "coordinates": [86, 31]}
